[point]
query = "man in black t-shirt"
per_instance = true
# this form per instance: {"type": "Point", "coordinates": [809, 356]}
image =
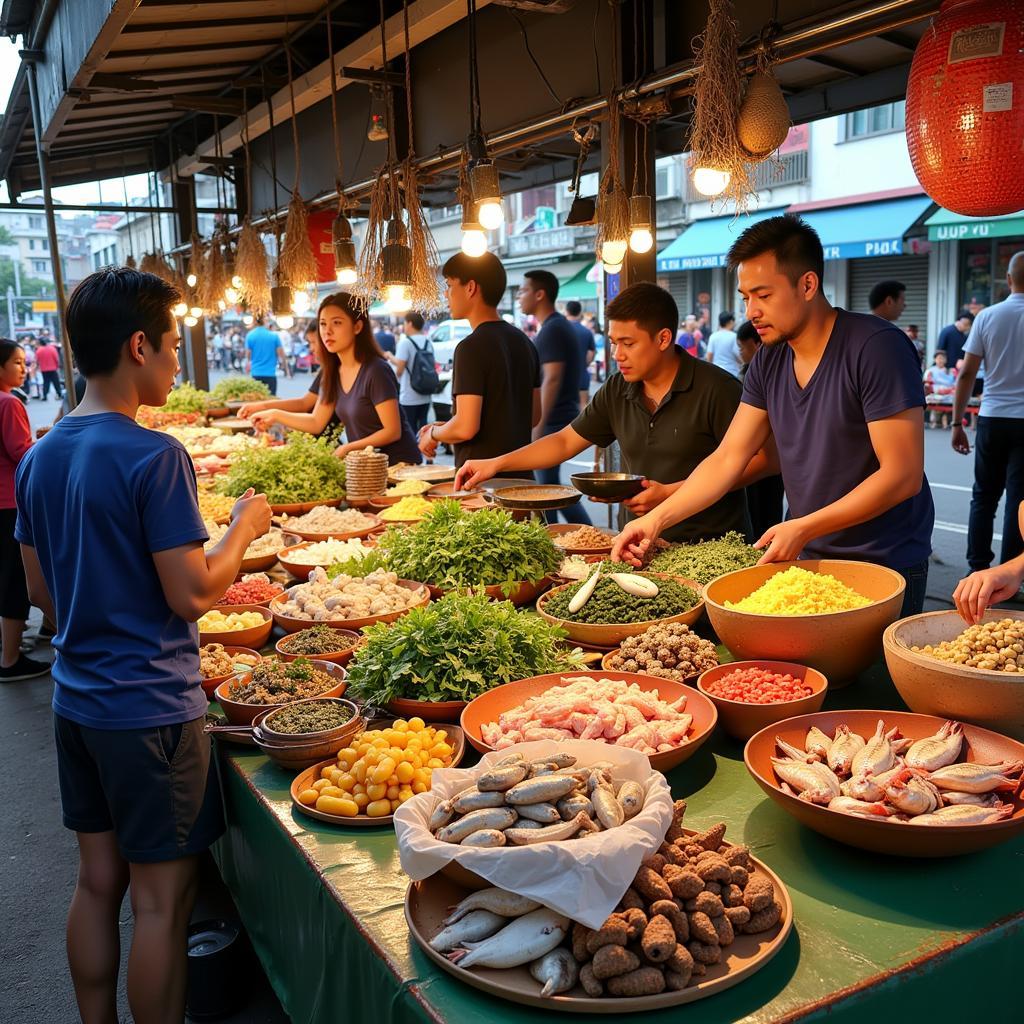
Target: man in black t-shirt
{"type": "Point", "coordinates": [496, 372]}
{"type": "Point", "coordinates": [562, 366]}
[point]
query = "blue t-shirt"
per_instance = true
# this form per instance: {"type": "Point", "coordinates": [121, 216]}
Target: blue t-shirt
{"type": "Point", "coordinates": [868, 371]}
{"type": "Point", "coordinates": [587, 345]}
{"type": "Point", "coordinates": [557, 343]}
{"type": "Point", "coordinates": [263, 343]}
{"type": "Point", "coordinates": [96, 497]}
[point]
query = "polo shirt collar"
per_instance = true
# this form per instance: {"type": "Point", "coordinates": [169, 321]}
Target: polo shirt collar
{"type": "Point", "coordinates": [683, 380]}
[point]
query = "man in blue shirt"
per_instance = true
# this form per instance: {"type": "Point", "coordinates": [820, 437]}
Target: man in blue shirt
{"type": "Point", "coordinates": [842, 395]}
{"type": "Point", "coordinates": [112, 542]}
{"type": "Point", "coordinates": [263, 354]}
{"type": "Point", "coordinates": [588, 346]}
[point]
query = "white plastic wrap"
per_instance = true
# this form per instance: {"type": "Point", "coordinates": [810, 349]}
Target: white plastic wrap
{"type": "Point", "coordinates": [583, 879]}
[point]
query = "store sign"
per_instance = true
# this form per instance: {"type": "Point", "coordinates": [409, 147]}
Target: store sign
{"type": "Point", "coordinates": [670, 263]}
{"type": "Point", "coordinates": [541, 241]}
{"type": "Point", "coordinates": [858, 250]}
{"type": "Point", "coordinates": [976, 229]}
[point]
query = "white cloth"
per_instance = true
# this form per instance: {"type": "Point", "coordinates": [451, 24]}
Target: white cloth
{"type": "Point", "coordinates": [997, 336]}
{"type": "Point", "coordinates": [406, 352]}
{"type": "Point", "coordinates": [725, 352]}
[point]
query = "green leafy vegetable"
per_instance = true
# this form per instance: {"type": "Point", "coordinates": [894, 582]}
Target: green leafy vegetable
{"type": "Point", "coordinates": [611, 604]}
{"type": "Point", "coordinates": [706, 560]}
{"type": "Point", "coordinates": [304, 469]}
{"type": "Point", "coordinates": [240, 389]}
{"type": "Point", "coordinates": [455, 649]}
{"type": "Point", "coordinates": [452, 548]}
{"type": "Point", "coordinates": [186, 398]}
{"type": "Point", "coordinates": [373, 560]}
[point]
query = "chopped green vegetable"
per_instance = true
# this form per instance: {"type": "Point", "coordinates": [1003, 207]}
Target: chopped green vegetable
{"type": "Point", "coordinates": [240, 389]}
{"type": "Point", "coordinates": [455, 649]}
{"type": "Point", "coordinates": [706, 560]}
{"type": "Point", "coordinates": [186, 398]}
{"type": "Point", "coordinates": [452, 548]}
{"type": "Point", "coordinates": [611, 604]}
{"type": "Point", "coordinates": [304, 469]}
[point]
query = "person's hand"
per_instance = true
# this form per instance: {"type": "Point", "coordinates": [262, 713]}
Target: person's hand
{"type": "Point", "coordinates": [636, 538]}
{"type": "Point", "coordinates": [959, 440]}
{"type": "Point", "coordinates": [265, 419]}
{"type": "Point", "coordinates": [253, 510]}
{"type": "Point", "coordinates": [249, 409]}
{"type": "Point", "coordinates": [653, 494]}
{"type": "Point", "coordinates": [472, 474]}
{"type": "Point", "coordinates": [979, 591]}
{"type": "Point", "coordinates": [427, 444]}
{"type": "Point", "coordinates": [783, 542]}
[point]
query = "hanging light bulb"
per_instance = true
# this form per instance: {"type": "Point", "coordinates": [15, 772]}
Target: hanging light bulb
{"type": "Point", "coordinates": [281, 306]}
{"type": "Point", "coordinates": [474, 241]}
{"type": "Point", "coordinates": [191, 280]}
{"type": "Point", "coordinates": [613, 251]}
{"type": "Point", "coordinates": [285, 321]}
{"type": "Point", "coordinates": [180, 309]}
{"type": "Point", "coordinates": [344, 250]}
{"type": "Point", "coordinates": [300, 301]}
{"type": "Point", "coordinates": [612, 268]}
{"type": "Point", "coordinates": [195, 311]}
{"type": "Point", "coordinates": [190, 321]}
{"type": "Point", "coordinates": [486, 189]}
{"type": "Point", "coordinates": [398, 298]}
{"type": "Point", "coordinates": [236, 281]}
{"type": "Point", "coordinates": [641, 235]}
{"type": "Point", "coordinates": [221, 305]}
{"type": "Point", "coordinates": [396, 268]}
{"type": "Point", "coordinates": [248, 319]}
{"type": "Point", "coordinates": [710, 181]}
{"type": "Point", "coordinates": [231, 295]}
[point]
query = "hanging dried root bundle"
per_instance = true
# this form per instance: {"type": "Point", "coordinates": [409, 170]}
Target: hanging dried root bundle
{"type": "Point", "coordinates": [213, 279]}
{"type": "Point", "coordinates": [426, 290]}
{"type": "Point", "coordinates": [612, 201]}
{"type": "Point", "coordinates": [195, 257]}
{"type": "Point", "coordinates": [252, 268]}
{"type": "Point", "coordinates": [297, 263]}
{"type": "Point", "coordinates": [370, 269]}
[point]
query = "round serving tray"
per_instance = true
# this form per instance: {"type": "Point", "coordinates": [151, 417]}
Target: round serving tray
{"type": "Point", "coordinates": [535, 497]}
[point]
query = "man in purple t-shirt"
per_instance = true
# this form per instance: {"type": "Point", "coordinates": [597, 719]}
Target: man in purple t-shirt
{"type": "Point", "coordinates": [842, 396]}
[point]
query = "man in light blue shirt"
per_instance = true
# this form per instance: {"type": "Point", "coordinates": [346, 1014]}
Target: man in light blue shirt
{"type": "Point", "coordinates": [723, 349]}
{"type": "Point", "coordinates": [263, 354]}
{"type": "Point", "coordinates": [997, 340]}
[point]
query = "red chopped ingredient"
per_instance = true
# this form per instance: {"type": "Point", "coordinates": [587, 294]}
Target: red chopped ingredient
{"type": "Point", "coordinates": [250, 592]}
{"type": "Point", "coordinates": [757, 686]}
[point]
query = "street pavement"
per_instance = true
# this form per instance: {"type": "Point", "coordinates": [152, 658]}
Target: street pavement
{"type": "Point", "coordinates": [37, 870]}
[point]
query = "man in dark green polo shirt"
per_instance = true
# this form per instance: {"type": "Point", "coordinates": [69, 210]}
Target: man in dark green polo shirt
{"type": "Point", "coordinates": [666, 409]}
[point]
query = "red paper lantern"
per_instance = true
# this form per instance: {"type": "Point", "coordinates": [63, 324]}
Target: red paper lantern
{"type": "Point", "coordinates": [965, 107]}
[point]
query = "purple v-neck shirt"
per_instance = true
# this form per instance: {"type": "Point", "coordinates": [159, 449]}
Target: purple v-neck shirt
{"type": "Point", "coordinates": [868, 371]}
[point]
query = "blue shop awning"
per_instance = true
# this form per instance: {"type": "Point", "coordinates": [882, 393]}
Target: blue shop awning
{"type": "Point", "coordinates": [865, 229]}
{"type": "Point", "coordinates": [705, 242]}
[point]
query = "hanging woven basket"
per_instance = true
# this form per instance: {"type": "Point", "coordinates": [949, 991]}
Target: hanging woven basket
{"type": "Point", "coordinates": [965, 107]}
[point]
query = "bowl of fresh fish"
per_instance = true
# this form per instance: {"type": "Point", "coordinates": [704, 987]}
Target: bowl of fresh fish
{"type": "Point", "coordinates": [893, 782]}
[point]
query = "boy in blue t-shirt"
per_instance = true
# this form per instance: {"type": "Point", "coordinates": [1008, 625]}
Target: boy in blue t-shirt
{"type": "Point", "coordinates": [112, 541]}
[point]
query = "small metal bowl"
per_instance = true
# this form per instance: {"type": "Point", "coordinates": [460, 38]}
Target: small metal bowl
{"type": "Point", "coordinates": [608, 486]}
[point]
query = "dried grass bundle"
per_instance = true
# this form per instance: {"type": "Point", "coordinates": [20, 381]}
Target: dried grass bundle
{"type": "Point", "coordinates": [252, 268]}
{"type": "Point", "coordinates": [213, 279]}
{"type": "Point", "coordinates": [612, 201]}
{"type": "Point", "coordinates": [370, 268]}
{"type": "Point", "coordinates": [195, 257]}
{"type": "Point", "coordinates": [426, 289]}
{"type": "Point", "coordinates": [297, 264]}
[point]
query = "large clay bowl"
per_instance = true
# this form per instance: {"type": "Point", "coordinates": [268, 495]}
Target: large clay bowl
{"type": "Point", "coordinates": [239, 713]}
{"type": "Point", "coordinates": [290, 625]}
{"type": "Point", "coordinates": [348, 641]}
{"type": "Point", "coordinates": [373, 525]}
{"type": "Point", "coordinates": [837, 644]}
{"type": "Point", "coordinates": [488, 706]}
{"type": "Point", "coordinates": [298, 508]}
{"type": "Point", "coordinates": [254, 637]}
{"type": "Point", "coordinates": [608, 486]}
{"type": "Point", "coordinates": [933, 687]}
{"type": "Point", "coordinates": [295, 568]}
{"type": "Point", "coordinates": [741, 720]}
{"type": "Point", "coordinates": [609, 636]}
{"type": "Point", "coordinates": [557, 530]}
{"type": "Point", "coordinates": [891, 837]}
{"type": "Point", "coordinates": [429, 711]}
{"type": "Point", "coordinates": [296, 752]}
{"type": "Point", "coordinates": [258, 563]}
{"type": "Point", "coordinates": [524, 592]}
{"type": "Point", "coordinates": [211, 684]}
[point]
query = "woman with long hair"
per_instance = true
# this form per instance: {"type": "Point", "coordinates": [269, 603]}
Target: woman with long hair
{"type": "Point", "coordinates": [356, 384]}
{"type": "Point", "coordinates": [15, 440]}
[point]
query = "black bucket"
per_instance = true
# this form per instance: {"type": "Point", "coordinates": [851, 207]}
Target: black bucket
{"type": "Point", "coordinates": [216, 970]}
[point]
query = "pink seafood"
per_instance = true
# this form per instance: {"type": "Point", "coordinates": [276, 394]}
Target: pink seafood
{"type": "Point", "coordinates": [814, 782]}
{"type": "Point", "coordinates": [879, 753]}
{"type": "Point", "coordinates": [977, 778]}
{"type": "Point", "coordinates": [937, 751]}
{"type": "Point", "coordinates": [964, 814]}
{"type": "Point", "coordinates": [594, 709]}
{"type": "Point", "coordinates": [845, 747]}
{"type": "Point", "coordinates": [860, 808]}
{"type": "Point", "coordinates": [909, 793]}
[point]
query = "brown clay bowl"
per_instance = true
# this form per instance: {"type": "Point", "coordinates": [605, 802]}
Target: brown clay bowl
{"type": "Point", "coordinates": [372, 526]}
{"type": "Point", "coordinates": [348, 641]}
{"type": "Point", "coordinates": [239, 713]}
{"type": "Point", "coordinates": [254, 637]}
{"type": "Point", "coordinates": [290, 625]}
{"type": "Point", "coordinates": [929, 686]}
{"type": "Point", "coordinates": [295, 752]}
{"type": "Point", "coordinates": [211, 684]}
{"type": "Point", "coordinates": [299, 570]}
{"type": "Point", "coordinates": [217, 412]}
{"type": "Point", "coordinates": [488, 706]}
{"type": "Point", "coordinates": [524, 592]}
{"type": "Point", "coordinates": [837, 644]}
{"type": "Point", "coordinates": [429, 711]}
{"type": "Point", "coordinates": [741, 720]}
{"type": "Point", "coordinates": [382, 501]}
{"type": "Point", "coordinates": [298, 508]}
{"type": "Point", "coordinates": [608, 636]}
{"type": "Point", "coordinates": [447, 490]}
{"type": "Point", "coordinates": [258, 563]}
{"type": "Point", "coordinates": [431, 474]}
{"type": "Point", "coordinates": [556, 530]}
{"type": "Point", "coordinates": [883, 836]}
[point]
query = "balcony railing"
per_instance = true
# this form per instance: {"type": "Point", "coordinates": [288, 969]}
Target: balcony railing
{"type": "Point", "coordinates": [793, 171]}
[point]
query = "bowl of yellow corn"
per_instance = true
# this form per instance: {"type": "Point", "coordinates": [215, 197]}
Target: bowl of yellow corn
{"type": "Point", "coordinates": [942, 666]}
{"type": "Point", "coordinates": [826, 613]}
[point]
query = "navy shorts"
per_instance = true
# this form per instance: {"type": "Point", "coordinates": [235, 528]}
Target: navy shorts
{"type": "Point", "coordinates": [155, 788]}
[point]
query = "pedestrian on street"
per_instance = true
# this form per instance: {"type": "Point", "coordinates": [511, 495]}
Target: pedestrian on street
{"type": "Point", "coordinates": [384, 338]}
{"type": "Point", "coordinates": [263, 354]}
{"type": "Point", "coordinates": [48, 361]}
{"type": "Point", "coordinates": [133, 761]}
{"type": "Point", "coordinates": [888, 299]}
{"type": "Point", "coordinates": [997, 340]}
{"type": "Point", "coordinates": [939, 384]}
{"type": "Point", "coordinates": [723, 350]}
{"type": "Point", "coordinates": [914, 334]}
{"type": "Point", "coordinates": [415, 404]}
{"type": "Point", "coordinates": [588, 346]}
{"type": "Point", "coordinates": [953, 337]}
{"type": "Point", "coordinates": [562, 367]}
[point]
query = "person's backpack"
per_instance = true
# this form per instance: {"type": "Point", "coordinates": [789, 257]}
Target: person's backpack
{"type": "Point", "coordinates": [423, 371]}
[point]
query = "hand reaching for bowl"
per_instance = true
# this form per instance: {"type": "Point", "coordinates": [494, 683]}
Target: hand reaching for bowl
{"type": "Point", "coordinates": [976, 593]}
{"type": "Point", "coordinates": [636, 538]}
{"type": "Point", "coordinates": [475, 472]}
{"type": "Point", "coordinates": [264, 419]}
{"type": "Point", "coordinates": [653, 494]}
{"type": "Point", "coordinates": [783, 542]}
{"type": "Point", "coordinates": [253, 510]}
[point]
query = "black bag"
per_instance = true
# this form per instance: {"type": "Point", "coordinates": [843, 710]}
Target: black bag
{"type": "Point", "coordinates": [423, 371]}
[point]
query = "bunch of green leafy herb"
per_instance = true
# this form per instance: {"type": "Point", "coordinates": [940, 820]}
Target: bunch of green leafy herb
{"type": "Point", "coordinates": [610, 604]}
{"type": "Point", "coordinates": [373, 560]}
{"type": "Point", "coordinates": [304, 469]}
{"type": "Point", "coordinates": [239, 389]}
{"type": "Point", "coordinates": [452, 548]}
{"type": "Point", "coordinates": [455, 649]}
{"type": "Point", "coordinates": [186, 398]}
{"type": "Point", "coordinates": [706, 560]}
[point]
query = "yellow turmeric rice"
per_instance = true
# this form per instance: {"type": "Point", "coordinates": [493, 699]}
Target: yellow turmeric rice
{"type": "Point", "coordinates": [800, 592]}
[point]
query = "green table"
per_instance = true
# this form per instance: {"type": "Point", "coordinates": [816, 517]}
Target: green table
{"type": "Point", "coordinates": [875, 938]}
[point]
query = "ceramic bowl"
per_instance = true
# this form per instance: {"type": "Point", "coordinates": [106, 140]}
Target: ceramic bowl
{"type": "Point", "coordinates": [373, 525]}
{"type": "Point", "coordinates": [254, 637]}
{"type": "Point", "coordinates": [741, 720]}
{"type": "Point", "coordinates": [239, 713]}
{"type": "Point", "coordinates": [557, 530]}
{"type": "Point", "coordinates": [429, 711]}
{"type": "Point", "coordinates": [211, 684]}
{"type": "Point", "coordinates": [290, 625]}
{"type": "Point", "coordinates": [488, 706]}
{"type": "Point", "coordinates": [929, 686]}
{"type": "Point", "coordinates": [299, 570]}
{"type": "Point", "coordinates": [298, 508]}
{"type": "Point", "coordinates": [837, 644]}
{"type": "Point", "coordinates": [296, 752]}
{"type": "Point", "coordinates": [524, 592]}
{"type": "Point", "coordinates": [608, 486]}
{"type": "Point", "coordinates": [348, 641]}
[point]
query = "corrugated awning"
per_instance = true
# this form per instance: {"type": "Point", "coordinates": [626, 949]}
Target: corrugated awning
{"type": "Point", "coordinates": [859, 230]}
{"type": "Point", "coordinates": [943, 226]}
{"type": "Point", "coordinates": [706, 242]}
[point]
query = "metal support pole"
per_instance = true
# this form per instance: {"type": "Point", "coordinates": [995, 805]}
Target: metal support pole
{"type": "Point", "coordinates": [51, 230]}
{"type": "Point", "coordinates": [195, 369]}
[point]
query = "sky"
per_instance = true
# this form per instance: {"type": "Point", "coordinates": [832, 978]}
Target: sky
{"type": "Point", "coordinates": [87, 193]}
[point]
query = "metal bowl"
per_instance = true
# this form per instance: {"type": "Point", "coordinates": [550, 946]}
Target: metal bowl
{"type": "Point", "coordinates": [608, 486]}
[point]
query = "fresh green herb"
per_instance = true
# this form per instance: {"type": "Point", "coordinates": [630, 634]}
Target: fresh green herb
{"type": "Point", "coordinates": [706, 560]}
{"type": "Point", "coordinates": [611, 604]}
{"type": "Point", "coordinates": [317, 716]}
{"type": "Point", "coordinates": [373, 560]}
{"type": "Point", "coordinates": [240, 389]}
{"type": "Point", "coordinates": [304, 469]}
{"type": "Point", "coordinates": [186, 398]}
{"type": "Point", "coordinates": [452, 548]}
{"type": "Point", "coordinates": [455, 649]}
{"type": "Point", "coordinates": [316, 640]}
